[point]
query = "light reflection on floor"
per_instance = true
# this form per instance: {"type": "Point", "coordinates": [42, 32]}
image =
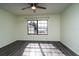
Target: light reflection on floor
{"type": "Point", "coordinates": [36, 49]}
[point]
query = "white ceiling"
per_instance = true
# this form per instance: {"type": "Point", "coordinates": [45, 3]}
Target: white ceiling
{"type": "Point", "coordinates": [52, 8]}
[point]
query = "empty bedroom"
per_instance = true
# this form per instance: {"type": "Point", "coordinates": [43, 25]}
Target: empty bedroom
{"type": "Point", "coordinates": [39, 29]}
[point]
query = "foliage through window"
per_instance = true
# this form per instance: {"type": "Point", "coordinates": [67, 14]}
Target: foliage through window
{"type": "Point", "coordinates": [37, 27]}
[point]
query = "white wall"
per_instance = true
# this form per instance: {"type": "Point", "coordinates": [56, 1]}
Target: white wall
{"type": "Point", "coordinates": [70, 28]}
{"type": "Point", "coordinates": [53, 29]}
{"type": "Point", "coordinates": [7, 28]}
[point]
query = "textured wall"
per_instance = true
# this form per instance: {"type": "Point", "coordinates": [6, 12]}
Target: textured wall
{"type": "Point", "coordinates": [70, 28]}
{"type": "Point", "coordinates": [7, 28]}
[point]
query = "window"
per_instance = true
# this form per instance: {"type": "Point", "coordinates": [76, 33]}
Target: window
{"type": "Point", "coordinates": [37, 27]}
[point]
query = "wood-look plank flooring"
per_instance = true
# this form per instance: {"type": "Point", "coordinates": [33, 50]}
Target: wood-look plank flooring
{"type": "Point", "coordinates": [17, 48]}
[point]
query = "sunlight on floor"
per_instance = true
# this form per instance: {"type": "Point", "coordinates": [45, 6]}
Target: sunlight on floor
{"type": "Point", "coordinates": [38, 49]}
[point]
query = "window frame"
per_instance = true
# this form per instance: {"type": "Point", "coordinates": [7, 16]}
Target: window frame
{"type": "Point", "coordinates": [37, 28]}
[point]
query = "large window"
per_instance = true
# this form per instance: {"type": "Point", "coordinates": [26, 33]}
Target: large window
{"type": "Point", "coordinates": [37, 27]}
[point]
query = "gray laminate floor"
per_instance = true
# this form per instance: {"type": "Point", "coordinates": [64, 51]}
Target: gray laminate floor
{"type": "Point", "coordinates": [36, 48]}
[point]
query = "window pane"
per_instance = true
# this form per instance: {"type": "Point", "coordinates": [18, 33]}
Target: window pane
{"type": "Point", "coordinates": [42, 27]}
{"type": "Point", "coordinates": [42, 21]}
{"type": "Point", "coordinates": [32, 27]}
